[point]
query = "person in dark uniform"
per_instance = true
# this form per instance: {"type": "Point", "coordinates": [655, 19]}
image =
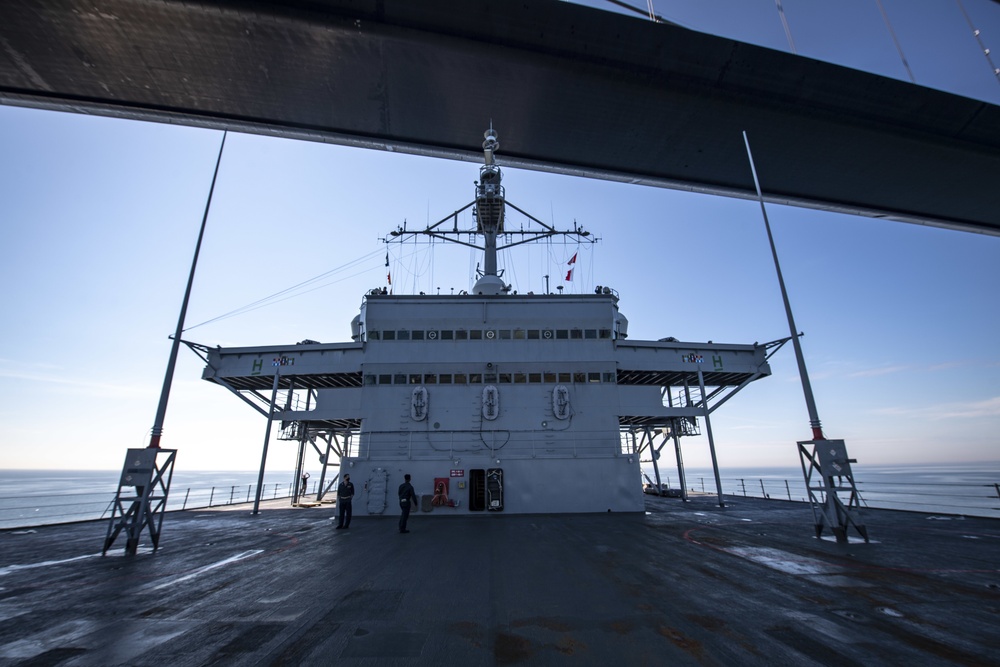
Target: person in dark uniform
{"type": "Point", "coordinates": [345, 492]}
{"type": "Point", "coordinates": [407, 498]}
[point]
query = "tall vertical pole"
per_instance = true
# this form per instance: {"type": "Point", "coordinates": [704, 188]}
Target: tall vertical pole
{"type": "Point", "coordinates": [161, 409]}
{"type": "Point", "coordinates": [828, 457]}
{"type": "Point", "coordinates": [267, 438]}
{"type": "Point", "coordinates": [817, 427]}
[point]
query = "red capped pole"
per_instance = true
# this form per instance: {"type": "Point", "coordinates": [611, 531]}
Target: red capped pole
{"type": "Point", "coordinates": [817, 427]}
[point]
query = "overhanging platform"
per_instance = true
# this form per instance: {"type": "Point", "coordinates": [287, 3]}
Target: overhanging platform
{"type": "Point", "coordinates": [573, 90]}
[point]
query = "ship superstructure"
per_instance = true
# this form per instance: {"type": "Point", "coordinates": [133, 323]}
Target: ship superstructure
{"type": "Point", "coordinates": [492, 401]}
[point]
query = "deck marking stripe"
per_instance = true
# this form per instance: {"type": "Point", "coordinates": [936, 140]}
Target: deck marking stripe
{"type": "Point", "coordinates": [689, 537]}
{"type": "Point", "coordinates": [203, 570]}
{"type": "Point", "coordinates": [15, 568]}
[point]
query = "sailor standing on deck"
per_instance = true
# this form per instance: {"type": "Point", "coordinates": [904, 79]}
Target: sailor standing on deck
{"type": "Point", "coordinates": [345, 493]}
{"type": "Point", "coordinates": [406, 500]}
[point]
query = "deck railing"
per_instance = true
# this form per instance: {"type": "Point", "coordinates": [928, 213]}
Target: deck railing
{"type": "Point", "coordinates": [55, 508]}
{"type": "Point", "coordinates": [959, 498]}
{"type": "Point", "coordinates": [952, 498]}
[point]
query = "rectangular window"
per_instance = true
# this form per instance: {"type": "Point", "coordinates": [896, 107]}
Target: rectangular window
{"type": "Point", "coordinates": [576, 334]}
{"type": "Point", "coordinates": [447, 334]}
{"type": "Point", "coordinates": [535, 378]}
{"type": "Point", "coordinates": [385, 379]}
{"type": "Point", "coordinates": [431, 378]}
{"type": "Point", "coordinates": [605, 333]}
{"type": "Point", "coordinates": [399, 378]}
{"type": "Point", "coordinates": [388, 335]}
{"type": "Point", "coordinates": [565, 377]}
{"type": "Point", "coordinates": [444, 378]}
{"type": "Point", "coordinates": [476, 334]}
{"type": "Point", "coordinates": [519, 334]}
{"type": "Point", "coordinates": [579, 378]}
{"type": "Point", "coordinates": [533, 334]}
{"type": "Point", "coordinates": [369, 379]}
{"type": "Point", "coordinates": [505, 334]}
{"type": "Point", "coordinates": [609, 377]}
{"type": "Point", "coordinates": [418, 335]}
{"type": "Point", "coordinates": [505, 378]}
{"type": "Point", "coordinates": [475, 378]}
{"type": "Point", "coordinates": [562, 334]}
{"type": "Point", "coordinates": [461, 334]}
{"type": "Point", "coordinates": [373, 335]}
{"type": "Point", "coordinates": [520, 378]}
{"type": "Point", "coordinates": [489, 377]}
{"type": "Point", "coordinates": [550, 378]}
{"type": "Point", "coordinates": [402, 334]}
{"type": "Point", "coordinates": [461, 378]}
{"type": "Point", "coordinates": [590, 334]}
{"type": "Point", "coordinates": [593, 377]}
{"type": "Point", "coordinates": [415, 378]}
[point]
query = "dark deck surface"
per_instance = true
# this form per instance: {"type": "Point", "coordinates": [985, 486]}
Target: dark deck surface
{"type": "Point", "coordinates": [684, 584]}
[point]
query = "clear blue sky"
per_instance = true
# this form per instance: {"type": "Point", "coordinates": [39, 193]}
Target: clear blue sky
{"type": "Point", "coordinates": [98, 219]}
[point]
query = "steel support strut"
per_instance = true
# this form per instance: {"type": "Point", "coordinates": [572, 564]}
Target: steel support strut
{"type": "Point", "coordinates": [267, 438]}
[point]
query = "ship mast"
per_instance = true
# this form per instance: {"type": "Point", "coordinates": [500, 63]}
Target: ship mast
{"type": "Point", "coordinates": [489, 210]}
{"type": "Point", "coordinates": [489, 214]}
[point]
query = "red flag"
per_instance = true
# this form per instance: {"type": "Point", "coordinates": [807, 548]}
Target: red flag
{"type": "Point", "coordinates": [389, 277]}
{"type": "Point", "coordinates": [569, 275]}
{"type": "Point", "coordinates": [572, 260]}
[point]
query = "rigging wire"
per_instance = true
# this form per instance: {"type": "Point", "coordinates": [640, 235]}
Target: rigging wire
{"type": "Point", "coordinates": [784, 23]}
{"type": "Point", "coordinates": [510, 266]}
{"type": "Point", "coordinates": [899, 48]}
{"type": "Point", "coordinates": [296, 290]}
{"type": "Point", "coordinates": [473, 275]}
{"type": "Point", "coordinates": [273, 297]}
{"type": "Point", "coordinates": [979, 40]}
{"type": "Point", "coordinates": [251, 308]}
{"type": "Point", "coordinates": [648, 12]}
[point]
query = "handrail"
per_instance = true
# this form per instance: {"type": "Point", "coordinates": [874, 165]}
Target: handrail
{"type": "Point", "coordinates": [876, 495]}
{"type": "Point", "coordinates": [58, 508]}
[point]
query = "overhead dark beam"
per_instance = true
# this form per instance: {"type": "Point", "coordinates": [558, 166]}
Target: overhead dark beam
{"type": "Point", "coordinates": [570, 89]}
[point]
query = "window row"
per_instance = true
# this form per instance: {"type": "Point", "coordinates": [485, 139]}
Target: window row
{"type": "Point", "coordinates": [490, 334]}
{"type": "Point", "coordinates": [487, 378]}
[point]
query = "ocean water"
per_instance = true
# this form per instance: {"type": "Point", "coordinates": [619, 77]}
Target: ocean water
{"type": "Point", "coordinates": [966, 488]}
{"type": "Point", "coordinates": [38, 497]}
